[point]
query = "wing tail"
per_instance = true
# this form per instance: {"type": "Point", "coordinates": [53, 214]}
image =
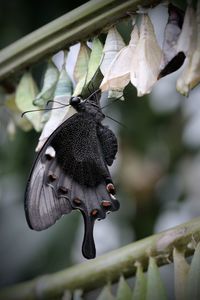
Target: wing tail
{"type": "Point", "coordinates": [94, 203]}
{"type": "Point", "coordinates": [88, 246]}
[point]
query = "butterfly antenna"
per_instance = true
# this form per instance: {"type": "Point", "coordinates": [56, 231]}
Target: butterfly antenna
{"type": "Point", "coordinates": [94, 93]}
{"type": "Point", "coordinates": [115, 99]}
{"type": "Point", "coordinates": [116, 121]}
{"type": "Point", "coordinates": [52, 101]}
{"type": "Point", "coordinates": [97, 98]}
{"type": "Point", "coordinates": [42, 109]}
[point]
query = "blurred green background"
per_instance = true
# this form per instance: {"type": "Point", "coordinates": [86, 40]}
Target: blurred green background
{"type": "Point", "coordinates": [157, 170]}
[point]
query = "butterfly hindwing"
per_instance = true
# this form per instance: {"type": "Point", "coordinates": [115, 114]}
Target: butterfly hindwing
{"type": "Point", "coordinates": [108, 143]}
{"type": "Point", "coordinates": [43, 204]}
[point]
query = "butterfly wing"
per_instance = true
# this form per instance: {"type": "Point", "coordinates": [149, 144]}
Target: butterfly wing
{"type": "Point", "coordinates": [75, 176]}
{"type": "Point", "coordinates": [108, 143]}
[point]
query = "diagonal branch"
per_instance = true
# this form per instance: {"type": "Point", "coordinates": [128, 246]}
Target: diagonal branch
{"type": "Point", "coordinates": [109, 267]}
{"type": "Point", "coordinates": [79, 24]}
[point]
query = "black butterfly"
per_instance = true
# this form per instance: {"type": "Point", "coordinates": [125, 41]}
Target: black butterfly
{"type": "Point", "coordinates": [76, 175]}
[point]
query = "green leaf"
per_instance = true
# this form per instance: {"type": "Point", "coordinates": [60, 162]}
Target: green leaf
{"type": "Point", "coordinates": [11, 104]}
{"type": "Point", "coordinates": [56, 117]}
{"type": "Point", "coordinates": [181, 269]}
{"type": "Point", "coordinates": [93, 85]}
{"type": "Point", "coordinates": [155, 286]}
{"type": "Point", "coordinates": [123, 291]}
{"type": "Point", "coordinates": [113, 44]}
{"type": "Point", "coordinates": [93, 76]}
{"type": "Point", "coordinates": [25, 94]}
{"type": "Point", "coordinates": [194, 276]}
{"type": "Point", "coordinates": [80, 86]}
{"type": "Point", "coordinates": [22, 123]}
{"type": "Point", "coordinates": [139, 292]}
{"type": "Point", "coordinates": [106, 294]}
{"type": "Point", "coordinates": [64, 85]}
{"type": "Point", "coordinates": [81, 66]}
{"type": "Point", "coordinates": [49, 85]}
{"type": "Point", "coordinates": [95, 59]}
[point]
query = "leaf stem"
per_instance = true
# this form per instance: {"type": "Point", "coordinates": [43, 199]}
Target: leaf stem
{"type": "Point", "coordinates": [79, 24]}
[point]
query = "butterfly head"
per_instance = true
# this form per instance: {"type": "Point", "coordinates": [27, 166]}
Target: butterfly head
{"type": "Point", "coordinates": [89, 105]}
{"type": "Point", "coordinates": [75, 101]}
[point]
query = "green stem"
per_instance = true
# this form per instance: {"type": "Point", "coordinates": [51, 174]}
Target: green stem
{"type": "Point", "coordinates": [109, 267]}
{"type": "Point", "coordinates": [79, 24]}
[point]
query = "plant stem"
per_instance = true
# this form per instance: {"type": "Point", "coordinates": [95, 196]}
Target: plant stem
{"type": "Point", "coordinates": [109, 267]}
{"type": "Point", "coordinates": [79, 24]}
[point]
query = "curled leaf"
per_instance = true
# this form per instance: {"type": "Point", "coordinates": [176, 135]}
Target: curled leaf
{"type": "Point", "coordinates": [155, 286]}
{"type": "Point", "coordinates": [181, 85]}
{"type": "Point", "coordinates": [11, 104]}
{"type": "Point", "coordinates": [25, 94]}
{"type": "Point", "coordinates": [118, 74]}
{"type": "Point", "coordinates": [64, 85]}
{"type": "Point", "coordinates": [194, 276]}
{"type": "Point", "coordinates": [171, 58]}
{"type": "Point", "coordinates": [139, 292]}
{"type": "Point", "coordinates": [80, 86]}
{"type": "Point", "coordinates": [193, 77]}
{"type": "Point", "coordinates": [81, 68]}
{"type": "Point", "coordinates": [123, 290]}
{"type": "Point", "coordinates": [113, 44]}
{"type": "Point", "coordinates": [146, 59]}
{"type": "Point", "coordinates": [181, 269]}
{"type": "Point", "coordinates": [49, 85]}
{"type": "Point", "coordinates": [95, 59]}
{"type": "Point", "coordinates": [93, 69]}
{"type": "Point", "coordinates": [93, 85]}
{"type": "Point", "coordinates": [190, 76]}
{"type": "Point", "coordinates": [186, 37]}
{"type": "Point", "coordinates": [59, 112]}
{"type": "Point", "coordinates": [22, 123]}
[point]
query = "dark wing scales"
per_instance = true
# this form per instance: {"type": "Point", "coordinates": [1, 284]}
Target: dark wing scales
{"type": "Point", "coordinates": [78, 150]}
{"type": "Point", "coordinates": [76, 178]}
{"type": "Point", "coordinates": [108, 143]}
